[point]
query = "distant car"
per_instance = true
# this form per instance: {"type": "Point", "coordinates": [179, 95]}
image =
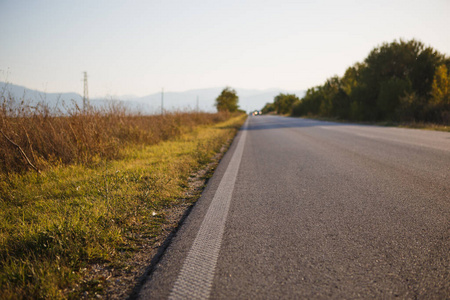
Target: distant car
{"type": "Point", "coordinates": [255, 113]}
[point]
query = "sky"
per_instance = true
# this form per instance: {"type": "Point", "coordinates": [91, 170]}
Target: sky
{"type": "Point", "coordinates": [139, 47]}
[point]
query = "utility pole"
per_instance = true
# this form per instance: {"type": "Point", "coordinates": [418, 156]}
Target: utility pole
{"type": "Point", "coordinates": [197, 105]}
{"type": "Point", "coordinates": [162, 101]}
{"type": "Point", "coordinates": [85, 93]}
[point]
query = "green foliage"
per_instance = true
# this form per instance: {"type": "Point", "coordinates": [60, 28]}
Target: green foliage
{"type": "Point", "coordinates": [227, 100]}
{"type": "Point", "coordinates": [389, 96]}
{"type": "Point", "coordinates": [310, 104]}
{"type": "Point", "coordinates": [440, 89]}
{"type": "Point", "coordinates": [411, 108]}
{"type": "Point", "coordinates": [268, 108]}
{"type": "Point", "coordinates": [439, 107]}
{"type": "Point", "coordinates": [397, 82]}
{"type": "Point", "coordinates": [283, 103]}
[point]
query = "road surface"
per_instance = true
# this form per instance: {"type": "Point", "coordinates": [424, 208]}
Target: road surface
{"type": "Point", "coordinates": [307, 209]}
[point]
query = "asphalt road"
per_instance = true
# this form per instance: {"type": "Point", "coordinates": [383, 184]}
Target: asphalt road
{"type": "Point", "coordinates": [318, 210]}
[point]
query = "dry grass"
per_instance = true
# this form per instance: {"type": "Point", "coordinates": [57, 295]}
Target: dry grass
{"type": "Point", "coordinates": [47, 138]}
{"type": "Point", "coordinates": [85, 210]}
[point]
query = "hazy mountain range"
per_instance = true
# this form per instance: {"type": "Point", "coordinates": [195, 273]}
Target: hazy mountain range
{"type": "Point", "coordinates": [202, 99]}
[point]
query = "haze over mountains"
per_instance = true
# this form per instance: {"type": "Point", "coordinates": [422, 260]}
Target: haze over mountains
{"type": "Point", "coordinates": [249, 99]}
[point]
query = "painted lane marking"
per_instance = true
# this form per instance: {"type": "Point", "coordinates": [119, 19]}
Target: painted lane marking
{"type": "Point", "coordinates": [196, 275]}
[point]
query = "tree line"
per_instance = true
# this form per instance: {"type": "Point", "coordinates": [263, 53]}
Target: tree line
{"type": "Point", "coordinates": [400, 81]}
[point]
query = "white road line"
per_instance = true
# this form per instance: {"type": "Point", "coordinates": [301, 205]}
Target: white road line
{"type": "Point", "coordinates": [196, 275]}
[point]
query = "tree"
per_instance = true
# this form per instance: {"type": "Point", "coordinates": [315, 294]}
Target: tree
{"type": "Point", "coordinates": [227, 100]}
{"type": "Point", "coordinates": [351, 77]}
{"type": "Point", "coordinates": [390, 95]}
{"type": "Point", "coordinates": [310, 103]}
{"type": "Point", "coordinates": [402, 80]}
{"type": "Point", "coordinates": [439, 106]}
{"type": "Point", "coordinates": [440, 89]}
{"type": "Point", "coordinates": [393, 70]}
{"type": "Point", "coordinates": [284, 102]}
{"type": "Point", "coordinates": [269, 107]}
{"type": "Point", "coordinates": [424, 69]}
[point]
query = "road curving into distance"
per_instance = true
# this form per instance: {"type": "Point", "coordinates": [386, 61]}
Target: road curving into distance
{"type": "Point", "coordinates": [317, 210]}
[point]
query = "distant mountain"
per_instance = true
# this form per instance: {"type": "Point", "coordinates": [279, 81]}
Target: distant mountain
{"type": "Point", "coordinates": [20, 93]}
{"type": "Point", "coordinates": [203, 99]}
{"type": "Point", "coordinates": [62, 101]}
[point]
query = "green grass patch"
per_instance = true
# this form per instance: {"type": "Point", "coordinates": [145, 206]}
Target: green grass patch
{"type": "Point", "coordinates": [55, 225]}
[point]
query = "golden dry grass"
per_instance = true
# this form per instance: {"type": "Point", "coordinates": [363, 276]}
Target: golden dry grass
{"type": "Point", "coordinates": [48, 138]}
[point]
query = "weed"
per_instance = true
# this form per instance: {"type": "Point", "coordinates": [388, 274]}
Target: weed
{"type": "Point", "coordinates": [58, 226]}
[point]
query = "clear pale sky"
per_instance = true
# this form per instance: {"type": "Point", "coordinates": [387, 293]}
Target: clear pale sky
{"type": "Point", "coordinates": [139, 47]}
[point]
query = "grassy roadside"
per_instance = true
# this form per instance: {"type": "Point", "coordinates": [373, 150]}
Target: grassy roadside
{"type": "Point", "coordinates": [414, 125]}
{"type": "Point", "coordinates": [56, 228]}
{"type": "Point", "coordinates": [36, 138]}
